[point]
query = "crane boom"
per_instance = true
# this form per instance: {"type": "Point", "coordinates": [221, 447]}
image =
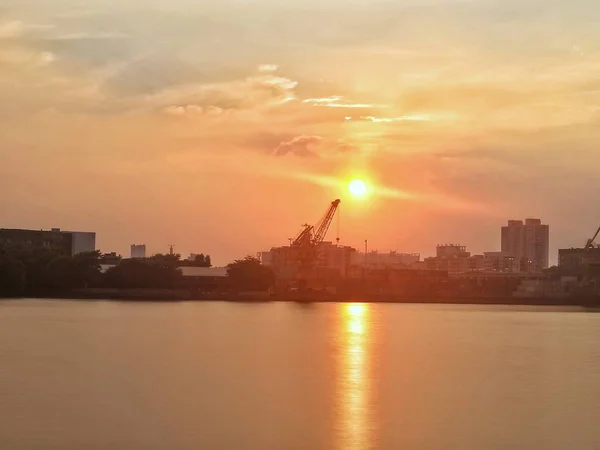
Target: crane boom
{"type": "Point", "coordinates": [323, 226]}
{"type": "Point", "coordinates": [305, 236]}
{"type": "Point", "coordinates": [313, 235]}
{"type": "Point", "coordinates": [590, 242]}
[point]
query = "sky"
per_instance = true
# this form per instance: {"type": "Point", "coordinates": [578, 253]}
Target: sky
{"type": "Point", "coordinates": [223, 126]}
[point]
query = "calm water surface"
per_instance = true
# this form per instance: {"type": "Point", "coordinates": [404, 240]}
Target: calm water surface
{"type": "Point", "coordinates": [108, 375]}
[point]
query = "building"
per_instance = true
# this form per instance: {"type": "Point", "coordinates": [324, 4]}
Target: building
{"type": "Point", "coordinates": [110, 259]}
{"type": "Point", "coordinates": [450, 258]}
{"type": "Point", "coordinates": [82, 242]}
{"type": "Point", "coordinates": [477, 263]}
{"type": "Point", "coordinates": [576, 261]}
{"type": "Point", "coordinates": [500, 262]}
{"type": "Point", "coordinates": [456, 260]}
{"type": "Point", "coordinates": [66, 242]}
{"type": "Point", "coordinates": [451, 251]}
{"type": "Point", "coordinates": [138, 251]}
{"type": "Point", "coordinates": [207, 279]}
{"type": "Point", "coordinates": [266, 258]}
{"type": "Point", "coordinates": [391, 260]}
{"type": "Point", "coordinates": [529, 240]}
{"type": "Point", "coordinates": [329, 260]}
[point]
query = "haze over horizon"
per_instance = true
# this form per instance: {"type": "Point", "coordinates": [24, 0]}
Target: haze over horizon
{"type": "Point", "coordinates": [241, 120]}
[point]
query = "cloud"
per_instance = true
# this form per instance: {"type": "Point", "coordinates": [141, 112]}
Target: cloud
{"type": "Point", "coordinates": [11, 29]}
{"type": "Point", "coordinates": [250, 93]}
{"type": "Point", "coordinates": [92, 36]}
{"type": "Point", "coordinates": [77, 14]}
{"type": "Point", "coordinates": [17, 28]}
{"type": "Point", "coordinates": [23, 57]}
{"type": "Point", "coordinates": [407, 118]}
{"type": "Point", "coordinates": [299, 146]}
{"type": "Point", "coordinates": [324, 100]}
{"type": "Point", "coordinates": [178, 110]}
{"type": "Point", "coordinates": [268, 68]}
{"type": "Point", "coordinates": [338, 102]}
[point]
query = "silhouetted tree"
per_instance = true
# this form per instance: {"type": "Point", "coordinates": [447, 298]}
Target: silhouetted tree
{"type": "Point", "coordinates": [249, 274]}
{"type": "Point", "coordinates": [12, 276]}
{"type": "Point", "coordinates": [165, 259]}
{"type": "Point", "coordinates": [80, 271]}
{"type": "Point", "coordinates": [155, 273]}
{"type": "Point", "coordinates": [36, 265]}
{"type": "Point", "coordinates": [202, 260]}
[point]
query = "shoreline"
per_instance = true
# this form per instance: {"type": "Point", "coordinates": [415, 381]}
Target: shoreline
{"type": "Point", "coordinates": [178, 295]}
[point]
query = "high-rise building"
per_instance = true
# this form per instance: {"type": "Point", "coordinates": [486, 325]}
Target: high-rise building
{"type": "Point", "coordinates": [138, 251]}
{"type": "Point", "coordinates": [528, 241]}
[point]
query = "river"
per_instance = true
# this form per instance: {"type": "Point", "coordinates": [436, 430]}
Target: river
{"type": "Point", "coordinates": [283, 376]}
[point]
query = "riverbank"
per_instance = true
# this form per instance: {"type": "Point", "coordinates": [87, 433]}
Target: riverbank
{"type": "Point", "coordinates": [307, 297]}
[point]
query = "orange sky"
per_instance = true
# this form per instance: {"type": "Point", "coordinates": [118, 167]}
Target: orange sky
{"type": "Point", "coordinates": [221, 127]}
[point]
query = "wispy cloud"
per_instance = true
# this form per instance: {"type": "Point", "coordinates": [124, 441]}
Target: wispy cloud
{"type": "Point", "coordinates": [298, 146]}
{"type": "Point", "coordinates": [178, 110]}
{"type": "Point", "coordinates": [252, 92]}
{"type": "Point", "coordinates": [92, 36]}
{"type": "Point", "coordinates": [31, 58]}
{"type": "Point", "coordinates": [18, 28]}
{"type": "Point", "coordinates": [77, 14]}
{"type": "Point", "coordinates": [338, 102]}
{"type": "Point", "coordinates": [268, 68]}
{"type": "Point", "coordinates": [407, 118]}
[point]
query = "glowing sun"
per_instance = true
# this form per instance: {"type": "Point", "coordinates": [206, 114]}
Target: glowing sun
{"type": "Point", "coordinates": [358, 188]}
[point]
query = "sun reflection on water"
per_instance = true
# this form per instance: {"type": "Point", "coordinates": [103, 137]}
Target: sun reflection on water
{"type": "Point", "coordinates": [352, 380]}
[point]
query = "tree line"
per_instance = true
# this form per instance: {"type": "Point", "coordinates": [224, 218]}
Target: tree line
{"type": "Point", "coordinates": [40, 272]}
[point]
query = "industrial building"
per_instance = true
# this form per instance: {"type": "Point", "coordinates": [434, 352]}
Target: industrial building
{"type": "Point", "coordinates": [329, 260]}
{"type": "Point", "coordinates": [527, 241]}
{"type": "Point", "coordinates": [309, 260]}
{"type": "Point", "coordinates": [580, 262]}
{"type": "Point", "coordinates": [66, 242]}
{"type": "Point", "coordinates": [138, 251]}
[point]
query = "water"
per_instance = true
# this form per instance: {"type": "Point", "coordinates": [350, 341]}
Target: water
{"type": "Point", "coordinates": [108, 375]}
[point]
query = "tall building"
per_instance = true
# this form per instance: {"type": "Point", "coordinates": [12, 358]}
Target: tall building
{"type": "Point", "coordinates": [138, 251]}
{"type": "Point", "coordinates": [66, 242]}
{"type": "Point", "coordinates": [527, 241]}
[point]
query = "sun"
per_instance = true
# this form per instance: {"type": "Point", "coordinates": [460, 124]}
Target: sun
{"type": "Point", "coordinates": [358, 188]}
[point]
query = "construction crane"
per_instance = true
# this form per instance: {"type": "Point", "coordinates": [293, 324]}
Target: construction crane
{"type": "Point", "coordinates": [304, 246]}
{"type": "Point", "coordinates": [303, 253]}
{"type": "Point", "coordinates": [591, 242]}
{"type": "Point", "coordinates": [314, 235]}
